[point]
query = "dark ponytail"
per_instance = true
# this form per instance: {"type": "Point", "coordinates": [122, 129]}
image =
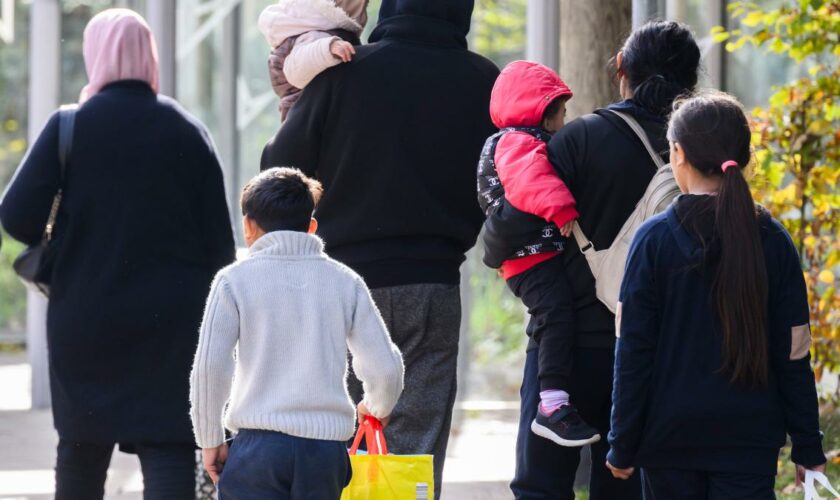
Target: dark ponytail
{"type": "Point", "coordinates": [660, 61]}
{"type": "Point", "coordinates": [714, 133]}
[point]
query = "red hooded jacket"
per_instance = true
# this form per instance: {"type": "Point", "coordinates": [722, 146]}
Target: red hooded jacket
{"type": "Point", "coordinates": [521, 93]}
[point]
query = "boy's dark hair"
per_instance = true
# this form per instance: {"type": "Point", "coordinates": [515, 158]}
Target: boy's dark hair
{"type": "Point", "coordinates": [281, 199]}
{"type": "Point", "coordinates": [554, 107]}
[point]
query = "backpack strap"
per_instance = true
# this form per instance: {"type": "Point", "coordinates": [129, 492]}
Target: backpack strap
{"type": "Point", "coordinates": [66, 125]}
{"type": "Point", "coordinates": [642, 135]}
{"type": "Point", "coordinates": [583, 242]}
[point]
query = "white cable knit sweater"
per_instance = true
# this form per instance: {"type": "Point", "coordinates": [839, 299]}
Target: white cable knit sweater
{"type": "Point", "coordinates": [291, 313]}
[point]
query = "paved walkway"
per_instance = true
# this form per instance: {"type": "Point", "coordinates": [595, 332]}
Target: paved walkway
{"type": "Point", "coordinates": [479, 465]}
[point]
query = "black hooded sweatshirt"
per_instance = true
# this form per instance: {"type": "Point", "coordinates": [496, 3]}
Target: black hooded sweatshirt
{"type": "Point", "coordinates": [395, 136]}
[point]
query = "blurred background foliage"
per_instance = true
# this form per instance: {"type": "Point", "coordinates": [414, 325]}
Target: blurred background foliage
{"type": "Point", "coordinates": [797, 147]}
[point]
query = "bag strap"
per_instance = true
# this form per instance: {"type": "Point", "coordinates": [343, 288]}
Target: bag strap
{"type": "Point", "coordinates": [371, 429]}
{"type": "Point", "coordinates": [811, 490]}
{"type": "Point", "coordinates": [583, 242]}
{"type": "Point", "coordinates": [642, 135]}
{"type": "Point", "coordinates": [66, 126]}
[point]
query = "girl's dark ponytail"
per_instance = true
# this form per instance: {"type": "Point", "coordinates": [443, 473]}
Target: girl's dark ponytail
{"type": "Point", "coordinates": [740, 284]}
{"type": "Point", "coordinates": [660, 61]}
{"type": "Point", "coordinates": [714, 133]}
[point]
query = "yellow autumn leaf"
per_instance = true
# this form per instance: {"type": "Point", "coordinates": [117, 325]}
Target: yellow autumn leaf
{"type": "Point", "coordinates": [826, 277]}
{"type": "Point", "coordinates": [753, 18]}
{"type": "Point", "coordinates": [17, 145]}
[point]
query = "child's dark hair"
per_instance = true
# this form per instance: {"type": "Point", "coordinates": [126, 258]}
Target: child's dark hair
{"type": "Point", "coordinates": [660, 60]}
{"type": "Point", "coordinates": [554, 107]}
{"type": "Point", "coordinates": [281, 199]}
{"type": "Point", "coordinates": [714, 133]}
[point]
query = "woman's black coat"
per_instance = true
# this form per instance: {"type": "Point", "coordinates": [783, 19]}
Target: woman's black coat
{"type": "Point", "coordinates": [142, 229]}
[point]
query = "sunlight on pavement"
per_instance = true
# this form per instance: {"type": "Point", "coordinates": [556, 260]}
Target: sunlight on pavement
{"type": "Point", "coordinates": [15, 391]}
{"type": "Point", "coordinates": [26, 482]}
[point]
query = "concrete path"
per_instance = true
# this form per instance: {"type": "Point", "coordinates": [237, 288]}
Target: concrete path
{"type": "Point", "coordinates": [479, 465]}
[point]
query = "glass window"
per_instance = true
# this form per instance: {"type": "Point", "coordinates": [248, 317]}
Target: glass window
{"type": "Point", "coordinates": [199, 47]}
{"type": "Point", "coordinates": [258, 115]}
{"type": "Point", "coordinates": [74, 17]}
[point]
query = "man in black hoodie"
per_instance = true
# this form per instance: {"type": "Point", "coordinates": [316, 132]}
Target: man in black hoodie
{"type": "Point", "coordinates": [395, 136]}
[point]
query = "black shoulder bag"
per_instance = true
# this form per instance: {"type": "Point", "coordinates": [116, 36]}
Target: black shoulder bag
{"type": "Point", "coordinates": [34, 265]}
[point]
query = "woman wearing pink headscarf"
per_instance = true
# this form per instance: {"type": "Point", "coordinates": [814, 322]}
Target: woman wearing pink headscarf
{"type": "Point", "coordinates": [142, 228]}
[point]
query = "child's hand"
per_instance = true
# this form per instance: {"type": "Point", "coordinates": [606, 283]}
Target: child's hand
{"type": "Point", "coordinates": [342, 50]}
{"type": "Point", "coordinates": [214, 461]}
{"type": "Point", "coordinates": [364, 412]}
{"type": "Point", "coordinates": [566, 230]}
{"type": "Point", "coordinates": [620, 473]}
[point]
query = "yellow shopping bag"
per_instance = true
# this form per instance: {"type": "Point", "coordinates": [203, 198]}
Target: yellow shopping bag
{"type": "Point", "coordinates": [379, 476]}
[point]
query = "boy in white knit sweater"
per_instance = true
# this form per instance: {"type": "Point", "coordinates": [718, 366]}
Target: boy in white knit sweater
{"type": "Point", "coordinates": [289, 313]}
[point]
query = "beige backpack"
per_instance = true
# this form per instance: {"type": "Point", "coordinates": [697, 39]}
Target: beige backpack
{"type": "Point", "coordinates": [607, 265]}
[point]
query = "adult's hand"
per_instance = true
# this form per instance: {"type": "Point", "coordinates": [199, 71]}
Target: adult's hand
{"type": "Point", "coordinates": [620, 473]}
{"type": "Point", "coordinates": [800, 472]}
{"type": "Point", "coordinates": [214, 461]}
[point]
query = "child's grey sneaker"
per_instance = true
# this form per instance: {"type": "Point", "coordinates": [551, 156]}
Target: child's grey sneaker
{"type": "Point", "coordinates": [565, 427]}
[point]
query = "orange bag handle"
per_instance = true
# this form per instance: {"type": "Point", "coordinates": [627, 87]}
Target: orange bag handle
{"type": "Point", "coordinates": [371, 429]}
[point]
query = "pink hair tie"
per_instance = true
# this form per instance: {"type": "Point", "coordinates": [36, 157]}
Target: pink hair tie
{"type": "Point", "coordinates": [727, 164]}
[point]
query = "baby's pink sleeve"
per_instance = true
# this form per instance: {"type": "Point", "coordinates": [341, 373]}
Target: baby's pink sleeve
{"type": "Point", "coordinates": [531, 183]}
{"type": "Point", "coordinates": [309, 57]}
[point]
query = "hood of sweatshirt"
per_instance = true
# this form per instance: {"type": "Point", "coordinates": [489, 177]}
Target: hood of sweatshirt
{"type": "Point", "coordinates": [522, 92]}
{"type": "Point", "coordinates": [692, 222]}
{"type": "Point", "coordinates": [434, 22]}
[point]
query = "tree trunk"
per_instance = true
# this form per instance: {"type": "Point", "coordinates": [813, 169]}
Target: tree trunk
{"type": "Point", "coordinates": [591, 32]}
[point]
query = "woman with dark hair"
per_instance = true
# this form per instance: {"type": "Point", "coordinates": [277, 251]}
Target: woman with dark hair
{"type": "Point", "coordinates": [607, 169]}
{"type": "Point", "coordinates": [712, 367]}
{"type": "Point", "coordinates": [141, 230]}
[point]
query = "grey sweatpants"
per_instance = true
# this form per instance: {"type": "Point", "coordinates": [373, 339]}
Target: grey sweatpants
{"type": "Point", "coordinates": [424, 321]}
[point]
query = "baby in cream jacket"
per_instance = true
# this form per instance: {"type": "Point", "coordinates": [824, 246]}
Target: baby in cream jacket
{"type": "Point", "coordinates": [307, 37]}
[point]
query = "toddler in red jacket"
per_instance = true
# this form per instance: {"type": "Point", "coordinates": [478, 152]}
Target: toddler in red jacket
{"type": "Point", "coordinates": [530, 213]}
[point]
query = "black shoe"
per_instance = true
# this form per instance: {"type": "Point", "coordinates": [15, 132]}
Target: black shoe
{"type": "Point", "coordinates": [564, 427]}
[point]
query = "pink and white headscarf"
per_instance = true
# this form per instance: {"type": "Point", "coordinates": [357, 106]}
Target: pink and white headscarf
{"type": "Point", "coordinates": [118, 45]}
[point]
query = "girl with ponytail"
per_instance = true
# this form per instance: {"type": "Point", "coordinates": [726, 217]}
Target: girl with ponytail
{"type": "Point", "coordinates": [712, 367]}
